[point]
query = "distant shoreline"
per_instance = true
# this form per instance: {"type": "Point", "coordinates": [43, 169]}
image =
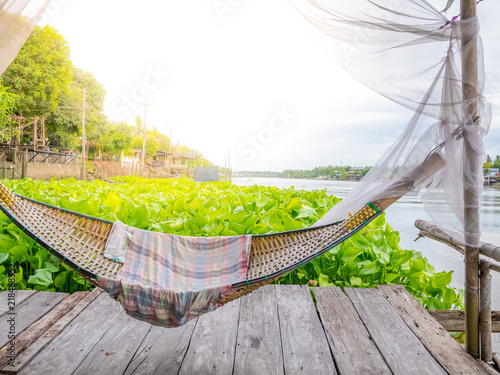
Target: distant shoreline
{"type": "Point", "coordinates": [298, 178]}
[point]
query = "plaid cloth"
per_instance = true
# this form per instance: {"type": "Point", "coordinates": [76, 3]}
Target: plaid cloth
{"type": "Point", "coordinates": [167, 280]}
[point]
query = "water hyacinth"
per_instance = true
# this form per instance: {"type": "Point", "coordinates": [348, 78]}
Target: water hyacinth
{"type": "Point", "coordinates": [184, 207]}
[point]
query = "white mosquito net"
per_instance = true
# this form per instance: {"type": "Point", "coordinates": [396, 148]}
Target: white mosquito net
{"type": "Point", "coordinates": [18, 19]}
{"type": "Point", "coordinates": [408, 51]}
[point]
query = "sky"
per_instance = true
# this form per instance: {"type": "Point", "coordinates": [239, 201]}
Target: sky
{"type": "Point", "coordinates": [243, 78]}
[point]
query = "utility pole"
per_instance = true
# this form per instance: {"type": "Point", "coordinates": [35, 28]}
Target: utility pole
{"type": "Point", "coordinates": [471, 168]}
{"type": "Point", "coordinates": [82, 174]}
{"type": "Point", "coordinates": [170, 148]}
{"type": "Point", "coordinates": [144, 137]}
{"type": "Point", "coordinates": [229, 162]}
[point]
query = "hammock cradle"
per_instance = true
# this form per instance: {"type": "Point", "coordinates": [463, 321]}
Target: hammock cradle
{"type": "Point", "coordinates": [79, 240]}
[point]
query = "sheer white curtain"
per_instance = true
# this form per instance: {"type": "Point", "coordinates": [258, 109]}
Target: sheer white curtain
{"type": "Point", "coordinates": [18, 18]}
{"type": "Point", "coordinates": [411, 53]}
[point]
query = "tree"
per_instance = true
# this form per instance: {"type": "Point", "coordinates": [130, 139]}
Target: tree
{"type": "Point", "coordinates": [39, 73]}
{"type": "Point", "coordinates": [96, 122]}
{"type": "Point", "coordinates": [65, 122]}
{"type": "Point", "coordinates": [7, 105]}
{"type": "Point", "coordinates": [487, 165]}
{"type": "Point", "coordinates": [119, 137]}
{"type": "Point", "coordinates": [496, 163]}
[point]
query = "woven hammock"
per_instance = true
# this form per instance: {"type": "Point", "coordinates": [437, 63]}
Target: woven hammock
{"type": "Point", "coordinates": [79, 240]}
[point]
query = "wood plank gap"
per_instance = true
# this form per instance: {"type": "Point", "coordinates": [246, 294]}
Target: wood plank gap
{"type": "Point", "coordinates": [237, 335]}
{"type": "Point", "coordinates": [189, 344]}
{"type": "Point", "coordinates": [433, 336]}
{"type": "Point", "coordinates": [137, 350]}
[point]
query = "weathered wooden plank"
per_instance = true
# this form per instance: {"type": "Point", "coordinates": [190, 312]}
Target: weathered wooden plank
{"type": "Point", "coordinates": [19, 297]}
{"type": "Point", "coordinates": [258, 349]}
{"type": "Point", "coordinates": [454, 320]}
{"type": "Point", "coordinates": [213, 342]}
{"type": "Point", "coordinates": [351, 344]}
{"type": "Point", "coordinates": [304, 343]}
{"type": "Point", "coordinates": [29, 353]}
{"type": "Point", "coordinates": [35, 330]}
{"type": "Point", "coordinates": [113, 352]}
{"type": "Point", "coordinates": [28, 312]}
{"type": "Point", "coordinates": [68, 350]}
{"type": "Point", "coordinates": [401, 349]}
{"type": "Point", "coordinates": [162, 351]}
{"type": "Point", "coordinates": [438, 342]}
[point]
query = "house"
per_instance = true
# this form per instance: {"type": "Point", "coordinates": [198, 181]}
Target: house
{"type": "Point", "coordinates": [490, 178]}
{"type": "Point", "coordinates": [184, 158]}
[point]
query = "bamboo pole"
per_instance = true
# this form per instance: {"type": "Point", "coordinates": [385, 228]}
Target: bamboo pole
{"type": "Point", "coordinates": [485, 312]}
{"type": "Point", "coordinates": [435, 233]}
{"type": "Point", "coordinates": [471, 201]}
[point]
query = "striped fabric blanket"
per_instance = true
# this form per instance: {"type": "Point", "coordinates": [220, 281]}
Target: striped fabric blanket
{"type": "Point", "coordinates": [167, 280]}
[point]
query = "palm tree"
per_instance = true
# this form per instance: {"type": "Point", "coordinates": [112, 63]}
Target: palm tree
{"type": "Point", "coordinates": [138, 125]}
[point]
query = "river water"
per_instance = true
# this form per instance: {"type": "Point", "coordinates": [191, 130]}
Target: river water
{"type": "Point", "coordinates": [402, 215]}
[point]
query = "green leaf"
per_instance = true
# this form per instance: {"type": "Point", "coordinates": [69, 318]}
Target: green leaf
{"type": "Point", "coordinates": [316, 263]}
{"type": "Point", "coordinates": [390, 277]}
{"type": "Point", "coordinates": [3, 257]}
{"type": "Point", "coordinates": [356, 281]}
{"type": "Point", "coordinates": [359, 241]}
{"type": "Point", "coordinates": [449, 298]}
{"type": "Point", "coordinates": [61, 279]}
{"type": "Point", "coordinates": [50, 267]}
{"type": "Point", "coordinates": [370, 269]}
{"type": "Point", "coordinates": [441, 280]}
{"type": "Point", "coordinates": [434, 304]}
{"type": "Point", "coordinates": [122, 214]}
{"type": "Point", "coordinates": [400, 257]}
{"type": "Point", "coordinates": [323, 281]}
{"type": "Point", "coordinates": [113, 201]}
{"type": "Point", "coordinates": [19, 251]}
{"type": "Point", "coordinates": [139, 217]}
{"type": "Point", "coordinates": [350, 252]}
{"type": "Point", "coordinates": [41, 277]}
{"type": "Point", "coordinates": [418, 265]}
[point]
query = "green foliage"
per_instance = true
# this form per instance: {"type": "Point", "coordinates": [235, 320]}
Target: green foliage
{"type": "Point", "coordinates": [64, 123]}
{"type": "Point", "coordinates": [183, 207]}
{"type": "Point", "coordinates": [118, 138]}
{"type": "Point", "coordinates": [7, 105]}
{"type": "Point", "coordinates": [39, 73]}
{"type": "Point", "coordinates": [496, 163]}
{"type": "Point", "coordinates": [340, 172]}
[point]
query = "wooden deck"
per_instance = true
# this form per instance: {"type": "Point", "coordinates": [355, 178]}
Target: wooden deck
{"type": "Point", "coordinates": [275, 330]}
